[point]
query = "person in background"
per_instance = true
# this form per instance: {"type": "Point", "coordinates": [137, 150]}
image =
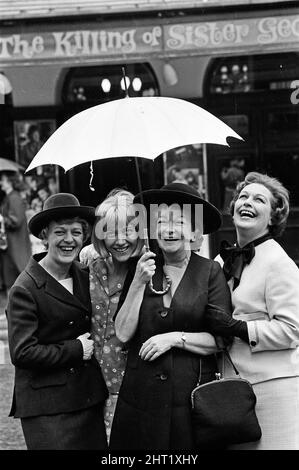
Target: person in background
{"type": "Point", "coordinates": [32, 183]}
{"type": "Point", "coordinates": [115, 247]}
{"type": "Point", "coordinates": [59, 389]}
{"type": "Point", "coordinates": [43, 192]}
{"type": "Point", "coordinates": [37, 244]}
{"type": "Point", "coordinates": [12, 214]}
{"type": "Point", "coordinates": [30, 149]}
{"type": "Point", "coordinates": [52, 185]}
{"type": "Point", "coordinates": [231, 176]}
{"type": "Point", "coordinates": [264, 283]}
{"type": "Point", "coordinates": [175, 175]}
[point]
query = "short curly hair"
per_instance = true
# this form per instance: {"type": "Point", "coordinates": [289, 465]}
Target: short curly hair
{"type": "Point", "coordinates": [86, 228]}
{"type": "Point", "coordinates": [279, 203]}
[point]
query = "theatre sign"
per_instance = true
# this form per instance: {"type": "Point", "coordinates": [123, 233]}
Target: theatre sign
{"type": "Point", "coordinates": [209, 37]}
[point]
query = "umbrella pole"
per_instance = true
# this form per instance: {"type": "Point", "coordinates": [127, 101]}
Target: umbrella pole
{"type": "Point", "coordinates": [138, 178]}
{"type": "Point", "coordinates": [146, 241]}
{"type": "Point", "coordinates": [125, 82]}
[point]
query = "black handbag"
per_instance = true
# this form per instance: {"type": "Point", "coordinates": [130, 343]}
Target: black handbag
{"type": "Point", "coordinates": [223, 412]}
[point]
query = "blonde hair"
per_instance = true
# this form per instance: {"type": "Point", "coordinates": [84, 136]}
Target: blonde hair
{"type": "Point", "coordinates": [118, 206]}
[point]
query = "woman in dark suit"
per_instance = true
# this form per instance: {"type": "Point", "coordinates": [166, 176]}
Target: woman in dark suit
{"type": "Point", "coordinates": [59, 389]}
{"type": "Point", "coordinates": [169, 347]}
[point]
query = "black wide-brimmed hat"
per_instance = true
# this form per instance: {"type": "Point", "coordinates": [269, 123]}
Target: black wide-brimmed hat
{"type": "Point", "coordinates": [181, 193]}
{"type": "Point", "coordinates": [60, 206]}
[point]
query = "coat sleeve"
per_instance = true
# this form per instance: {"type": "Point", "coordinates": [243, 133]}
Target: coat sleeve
{"type": "Point", "coordinates": [219, 293]}
{"type": "Point", "coordinates": [282, 300]}
{"type": "Point", "coordinates": [16, 213]}
{"type": "Point", "coordinates": [25, 350]}
{"type": "Point", "coordinates": [219, 296]}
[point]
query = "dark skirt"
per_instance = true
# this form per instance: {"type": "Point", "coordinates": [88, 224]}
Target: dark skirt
{"type": "Point", "coordinates": [78, 430]}
{"type": "Point", "coordinates": [135, 429]}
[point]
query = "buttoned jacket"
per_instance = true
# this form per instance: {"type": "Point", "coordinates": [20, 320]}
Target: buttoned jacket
{"type": "Point", "coordinates": [267, 298]}
{"type": "Point", "coordinates": [44, 320]}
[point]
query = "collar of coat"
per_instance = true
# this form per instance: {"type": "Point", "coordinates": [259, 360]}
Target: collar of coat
{"type": "Point", "coordinates": [79, 273]}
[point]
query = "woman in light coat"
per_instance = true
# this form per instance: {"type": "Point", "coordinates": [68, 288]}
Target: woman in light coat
{"type": "Point", "coordinates": [264, 283]}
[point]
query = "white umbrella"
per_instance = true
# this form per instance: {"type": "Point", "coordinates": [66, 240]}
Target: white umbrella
{"type": "Point", "coordinates": [131, 127]}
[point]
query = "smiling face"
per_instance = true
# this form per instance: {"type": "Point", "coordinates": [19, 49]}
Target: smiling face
{"type": "Point", "coordinates": [121, 239]}
{"type": "Point", "coordinates": [173, 230]}
{"type": "Point", "coordinates": [64, 241]}
{"type": "Point", "coordinates": [253, 210]}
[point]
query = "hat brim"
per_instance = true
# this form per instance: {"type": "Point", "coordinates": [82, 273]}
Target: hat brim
{"type": "Point", "coordinates": [43, 218]}
{"type": "Point", "coordinates": [212, 218]}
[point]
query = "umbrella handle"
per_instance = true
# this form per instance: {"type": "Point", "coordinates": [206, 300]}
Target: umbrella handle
{"type": "Point", "coordinates": [168, 280]}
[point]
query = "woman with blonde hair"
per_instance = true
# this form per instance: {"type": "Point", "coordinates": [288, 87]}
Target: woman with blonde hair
{"type": "Point", "coordinates": [116, 245]}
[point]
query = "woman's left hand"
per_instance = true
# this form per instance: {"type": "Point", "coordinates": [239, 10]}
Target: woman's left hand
{"type": "Point", "coordinates": [157, 345]}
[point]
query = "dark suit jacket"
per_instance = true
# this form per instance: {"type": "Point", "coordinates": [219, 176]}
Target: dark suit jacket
{"type": "Point", "coordinates": [44, 320]}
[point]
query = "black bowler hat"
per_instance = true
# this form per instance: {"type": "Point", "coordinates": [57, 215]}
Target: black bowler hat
{"type": "Point", "coordinates": [181, 193]}
{"type": "Point", "coordinates": [60, 206]}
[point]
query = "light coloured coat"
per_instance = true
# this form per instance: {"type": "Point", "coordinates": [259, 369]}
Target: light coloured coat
{"type": "Point", "coordinates": [267, 298]}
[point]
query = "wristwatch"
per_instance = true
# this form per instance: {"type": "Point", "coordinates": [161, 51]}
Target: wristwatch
{"type": "Point", "coordinates": [183, 338]}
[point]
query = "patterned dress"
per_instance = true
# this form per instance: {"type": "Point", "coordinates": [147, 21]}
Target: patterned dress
{"type": "Point", "coordinates": [109, 351]}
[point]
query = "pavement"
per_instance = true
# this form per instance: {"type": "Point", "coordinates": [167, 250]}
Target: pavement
{"type": "Point", "coordinates": [3, 324]}
{"type": "Point", "coordinates": [11, 436]}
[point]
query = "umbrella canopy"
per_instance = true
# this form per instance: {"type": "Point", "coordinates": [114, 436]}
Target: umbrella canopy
{"type": "Point", "coordinates": [131, 127]}
{"type": "Point", "coordinates": [9, 165]}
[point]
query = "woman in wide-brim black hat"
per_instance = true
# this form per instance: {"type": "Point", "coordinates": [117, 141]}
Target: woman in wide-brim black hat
{"type": "Point", "coordinates": [59, 389]}
{"type": "Point", "coordinates": [169, 348]}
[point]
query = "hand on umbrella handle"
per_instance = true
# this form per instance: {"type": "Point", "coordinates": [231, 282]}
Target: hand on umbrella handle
{"type": "Point", "coordinates": [168, 280]}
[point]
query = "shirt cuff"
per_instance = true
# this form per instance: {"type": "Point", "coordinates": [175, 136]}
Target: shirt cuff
{"type": "Point", "coordinates": [253, 335]}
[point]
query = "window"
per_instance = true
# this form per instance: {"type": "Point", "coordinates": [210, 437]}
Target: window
{"type": "Point", "coordinates": [263, 72]}
{"type": "Point", "coordinates": [105, 83]}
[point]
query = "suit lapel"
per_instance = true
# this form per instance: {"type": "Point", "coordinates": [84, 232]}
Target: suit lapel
{"type": "Point", "coordinates": [80, 299]}
{"type": "Point", "coordinates": [81, 285]}
{"type": "Point", "coordinates": [55, 289]}
{"type": "Point", "coordinates": [190, 285]}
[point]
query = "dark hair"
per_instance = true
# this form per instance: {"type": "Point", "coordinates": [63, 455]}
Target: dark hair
{"type": "Point", "coordinates": [43, 186]}
{"type": "Point", "coordinates": [33, 128]}
{"type": "Point", "coordinates": [13, 177]}
{"type": "Point", "coordinates": [279, 202]}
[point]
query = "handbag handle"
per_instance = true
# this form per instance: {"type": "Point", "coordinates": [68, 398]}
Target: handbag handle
{"type": "Point", "coordinates": [231, 361]}
{"type": "Point", "coordinates": [218, 373]}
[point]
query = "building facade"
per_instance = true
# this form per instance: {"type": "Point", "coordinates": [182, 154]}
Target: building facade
{"type": "Point", "coordinates": [239, 60]}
